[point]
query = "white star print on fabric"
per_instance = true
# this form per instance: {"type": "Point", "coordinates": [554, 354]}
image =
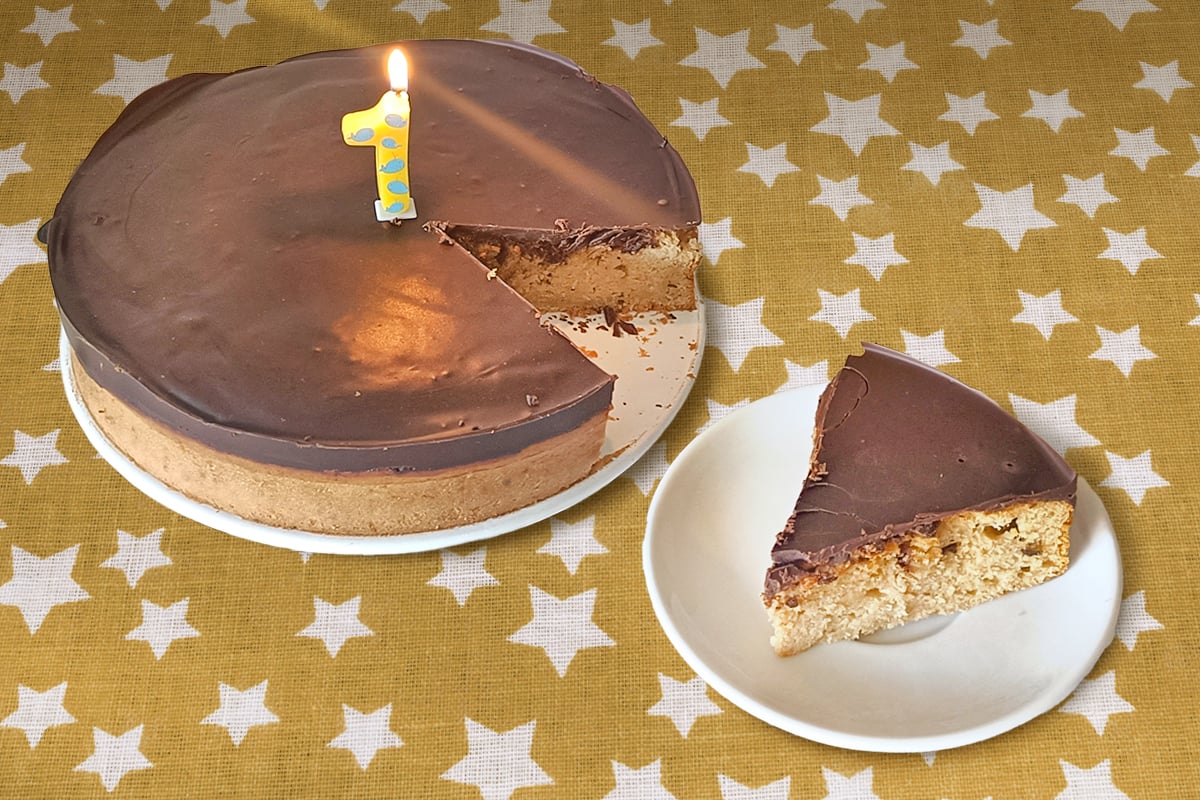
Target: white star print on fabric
{"type": "Point", "coordinates": [1089, 784]}
{"type": "Point", "coordinates": [18, 81]}
{"type": "Point", "coordinates": [1088, 194]}
{"type": "Point", "coordinates": [632, 38]}
{"type": "Point", "coordinates": [1134, 476]}
{"type": "Point", "coordinates": [419, 10]}
{"type": "Point", "coordinates": [498, 763]}
{"type": "Point", "coordinates": [795, 42]}
{"type": "Point", "coordinates": [47, 24]}
{"type": "Point", "coordinates": [981, 38]}
{"type": "Point", "coordinates": [12, 163]}
{"type": "Point", "coordinates": [969, 112]}
{"type": "Point", "coordinates": [1118, 12]}
{"type": "Point", "coordinates": [738, 329]}
{"type": "Point", "coordinates": [1097, 700]}
{"type": "Point", "coordinates": [462, 575]}
{"type": "Point", "coordinates": [334, 625]}
{"type": "Point", "coordinates": [841, 311]}
{"type": "Point", "coordinates": [856, 787]}
{"type": "Point", "coordinates": [137, 554]}
{"type": "Point", "coordinates": [797, 375]}
{"type": "Point", "coordinates": [1054, 422]}
{"type": "Point", "coordinates": [929, 758]}
{"type": "Point", "coordinates": [855, 122]}
{"type": "Point", "coordinates": [1164, 81]}
{"type": "Point", "coordinates": [733, 790]}
{"type": "Point", "coordinates": [840, 196]}
{"type": "Point", "coordinates": [224, 17]}
{"type": "Point", "coordinates": [1010, 214]}
{"type": "Point", "coordinates": [32, 454]}
{"type": "Point", "coordinates": [561, 627]}
{"type": "Point", "coordinates": [1052, 109]}
{"type": "Point", "coordinates": [1194, 170]}
{"type": "Point", "coordinates": [38, 712]}
{"type": "Point", "coordinates": [876, 254]}
{"type": "Point", "coordinates": [644, 783]}
{"type": "Point", "coordinates": [365, 735]}
{"type": "Point", "coordinates": [1134, 620]}
{"type": "Point", "coordinates": [1123, 349]}
{"type": "Point", "coordinates": [240, 711]}
{"type": "Point", "coordinates": [1131, 249]}
{"type": "Point", "coordinates": [114, 757]}
{"type": "Point", "coordinates": [887, 61]}
{"type": "Point", "coordinates": [1043, 312]}
{"type": "Point", "coordinates": [718, 411]}
{"type": "Point", "coordinates": [131, 78]}
{"type": "Point", "coordinates": [932, 162]}
{"type": "Point", "coordinates": [18, 246]}
{"type": "Point", "coordinates": [572, 542]}
{"type": "Point", "coordinates": [700, 118]}
{"type": "Point", "coordinates": [856, 8]}
{"type": "Point", "coordinates": [930, 350]}
{"type": "Point", "coordinates": [524, 20]}
{"type": "Point", "coordinates": [650, 468]}
{"type": "Point", "coordinates": [683, 703]}
{"type": "Point", "coordinates": [38, 585]}
{"type": "Point", "coordinates": [1195, 319]}
{"type": "Point", "coordinates": [1138, 147]}
{"type": "Point", "coordinates": [769, 163]}
{"type": "Point", "coordinates": [722, 56]}
{"type": "Point", "coordinates": [162, 626]}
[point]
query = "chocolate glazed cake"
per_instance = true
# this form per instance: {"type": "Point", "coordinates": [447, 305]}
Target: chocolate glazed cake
{"type": "Point", "coordinates": [923, 497]}
{"type": "Point", "coordinates": [245, 330]}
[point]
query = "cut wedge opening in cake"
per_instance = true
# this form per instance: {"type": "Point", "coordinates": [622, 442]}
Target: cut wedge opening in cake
{"type": "Point", "coordinates": [922, 497]}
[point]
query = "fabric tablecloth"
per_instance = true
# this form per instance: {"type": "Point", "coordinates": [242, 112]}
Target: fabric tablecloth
{"type": "Point", "coordinates": [1006, 189]}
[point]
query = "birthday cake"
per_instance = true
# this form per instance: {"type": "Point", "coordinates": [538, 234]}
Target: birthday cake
{"type": "Point", "coordinates": [245, 330]}
{"type": "Point", "coordinates": [922, 497]}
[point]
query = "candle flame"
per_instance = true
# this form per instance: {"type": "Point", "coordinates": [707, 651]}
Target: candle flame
{"type": "Point", "coordinates": [398, 71]}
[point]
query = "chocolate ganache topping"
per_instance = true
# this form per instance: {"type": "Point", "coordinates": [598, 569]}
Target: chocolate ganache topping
{"type": "Point", "coordinates": [898, 446]}
{"type": "Point", "coordinates": [219, 268]}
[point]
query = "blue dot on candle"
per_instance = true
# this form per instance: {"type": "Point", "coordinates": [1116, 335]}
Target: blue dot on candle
{"type": "Point", "coordinates": [397, 187]}
{"type": "Point", "coordinates": [389, 143]}
{"type": "Point", "coordinates": [396, 208]}
{"type": "Point", "coordinates": [362, 135]}
{"type": "Point", "coordinates": [395, 120]}
{"type": "Point", "coordinates": [395, 165]}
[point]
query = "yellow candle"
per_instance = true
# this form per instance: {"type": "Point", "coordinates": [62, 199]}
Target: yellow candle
{"type": "Point", "coordinates": [384, 126]}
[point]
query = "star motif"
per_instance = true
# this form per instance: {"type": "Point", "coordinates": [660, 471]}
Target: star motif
{"type": "Point", "coordinates": [840, 196]}
{"type": "Point", "coordinates": [700, 118]}
{"type": "Point", "coordinates": [240, 711]}
{"type": "Point", "coordinates": [768, 164]}
{"type": "Point", "coordinates": [1089, 784]}
{"type": "Point", "coordinates": [732, 790]}
{"type": "Point", "coordinates": [1123, 349]}
{"type": "Point", "coordinates": [1054, 422]}
{"type": "Point", "coordinates": [1194, 170]}
{"type": "Point", "coordinates": [1052, 109]}
{"type": "Point", "coordinates": [19, 80]}
{"type": "Point", "coordinates": [644, 783]}
{"type": "Point", "coordinates": [1088, 194]}
{"type": "Point", "coordinates": [718, 411]}
{"type": "Point", "coordinates": [857, 787]}
{"type": "Point", "coordinates": [1138, 147]}
{"type": "Point", "coordinates": [980, 38]}
{"type": "Point", "coordinates": [135, 555]}
{"type": "Point", "coordinates": [650, 468]}
{"type": "Point", "coordinates": [798, 376]}
{"type": "Point", "coordinates": [11, 163]}
{"type": "Point", "coordinates": [336, 624]}
{"type": "Point", "coordinates": [365, 735]}
{"type": "Point", "coordinates": [1135, 620]}
{"type": "Point", "coordinates": [37, 712]}
{"type": "Point", "coordinates": [855, 8]}
{"type": "Point", "coordinates": [1097, 700]}
{"type": "Point", "coordinates": [38, 585]}
{"type": "Point", "coordinates": [930, 350]}
{"type": "Point", "coordinates": [114, 757]}
{"type": "Point", "coordinates": [855, 122]}
{"type": "Point", "coordinates": [929, 757]}
{"type": "Point", "coordinates": [1163, 80]}
{"type": "Point", "coordinates": [224, 17]}
{"type": "Point", "coordinates": [32, 454]}
{"type": "Point", "coordinates": [683, 703]}
{"type": "Point", "coordinates": [48, 24]}
{"type": "Point", "coordinates": [524, 20]}
{"type": "Point", "coordinates": [887, 61]}
{"type": "Point", "coordinates": [876, 254]}
{"type": "Point", "coordinates": [18, 246]}
{"type": "Point", "coordinates": [1011, 214]}
{"type": "Point", "coordinates": [462, 575]}
{"type": "Point", "coordinates": [1043, 312]}
{"type": "Point", "coordinates": [498, 763]}
{"type": "Point", "coordinates": [1195, 319]}
{"type": "Point", "coordinates": [632, 39]}
{"type": "Point", "coordinates": [1130, 249]}
{"type": "Point", "coordinates": [1134, 476]}
{"type": "Point", "coordinates": [162, 626]}
{"type": "Point", "coordinates": [561, 627]}
{"type": "Point", "coordinates": [969, 112]}
{"type": "Point", "coordinates": [932, 162]}
{"type": "Point", "coordinates": [795, 42]}
{"type": "Point", "coordinates": [716, 238]}
{"type": "Point", "coordinates": [736, 330]}
{"type": "Point", "coordinates": [572, 542]}
{"type": "Point", "coordinates": [1117, 11]}
{"type": "Point", "coordinates": [842, 311]}
{"type": "Point", "coordinates": [419, 10]}
{"type": "Point", "coordinates": [722, 56]}
{"type": "Point", "coordinates": [131, 78]}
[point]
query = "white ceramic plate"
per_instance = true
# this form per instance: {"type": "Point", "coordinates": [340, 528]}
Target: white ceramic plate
{"type": "Point", "coordinates": [656, 369]}
{"type": "Point", "coordinates": [931, 685]}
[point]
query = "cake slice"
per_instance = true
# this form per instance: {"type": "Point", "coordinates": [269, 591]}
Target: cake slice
{"type": "Point", "coordinates": [922, 497]}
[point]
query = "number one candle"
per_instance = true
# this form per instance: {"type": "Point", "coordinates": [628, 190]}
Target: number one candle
{"type": "Point", "coordinates": [385, 127]}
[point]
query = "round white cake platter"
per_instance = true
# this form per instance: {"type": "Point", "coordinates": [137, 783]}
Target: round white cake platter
{"type": "Point", "coordinates": [934, 684]}
{"type": "Point", "coordinates": [655, 369]}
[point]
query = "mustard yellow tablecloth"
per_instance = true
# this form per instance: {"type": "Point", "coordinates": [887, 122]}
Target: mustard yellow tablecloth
{"type": "Point", "coordinates": [1007, 189]}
